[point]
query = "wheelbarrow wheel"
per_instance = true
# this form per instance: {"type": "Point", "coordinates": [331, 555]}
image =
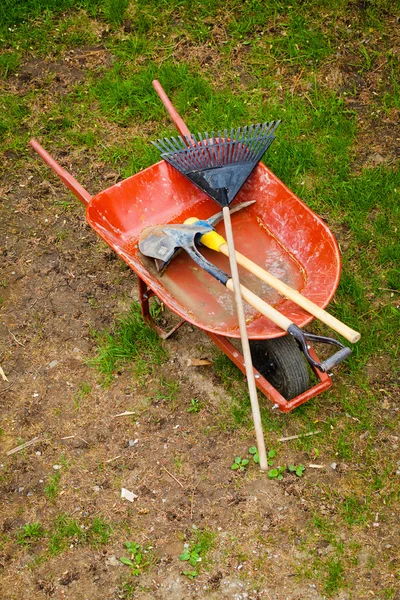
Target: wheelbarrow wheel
{"type": "Point", "coordinates": [281, 362]}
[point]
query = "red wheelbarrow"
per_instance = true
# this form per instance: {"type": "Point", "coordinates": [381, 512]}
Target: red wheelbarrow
{"type": "Point", "coordinates": [279, 232]}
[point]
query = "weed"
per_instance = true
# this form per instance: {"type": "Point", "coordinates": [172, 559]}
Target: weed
{"type": "Point", "coordinates": [52, 489]}
{"type": "Point", "coordinates": [195, 406]}
{"type": "Point", "coordinates": [30, 533]}
{"type": "Point", "coordinates": [66, 531]}
{"type": "Point", "coordinates": [239, 464]}
{"type": "Point", "coordinates": [99, 532]}
{"type": "Point", "coordinates": [140, 558]}
{"type": "Point", "coordinates": [195, 552]}
{"type": "Point", "coordinates": [83, 391]}
{"type": "Point", "coordinates": [335, 572]}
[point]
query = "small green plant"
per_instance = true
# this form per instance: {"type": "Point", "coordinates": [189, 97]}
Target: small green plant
{"type": "Point", "coordinates": [254, 452]}
{"type": "Point", "coordinates": [131, 340]}
{"type": "Point", "coordinates": [195, 553]}
{"type": "Point", "coordinates": [239, 464]}
{"type": "Point", "coordinates": [52, 488]}
{"type": "Point", "coordinates": [299, 469]}
{"type": "Point", "coordinates": [195, 406]}
{"type": "Point", "coordinates": [83, 391]}
{"type": "Point", "coordinates": [65, 532]}
{"type": "Point", "coordinates": [30, 533]}
{"type": "Point", "coordinates": [277, 473]}
{"type": "Point", "coordinates": [99, 532]}
{"type": "Point", "coordinates": [140, 558]}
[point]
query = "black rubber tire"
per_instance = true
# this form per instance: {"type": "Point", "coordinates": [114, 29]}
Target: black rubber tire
{"type": "Point", "coordinates": [282, 363]}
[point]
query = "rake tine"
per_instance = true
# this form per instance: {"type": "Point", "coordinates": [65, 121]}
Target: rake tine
{"type": "Point", "coordinates": [230, 152]}
{"type": "Point", "coordinates": [209, 150]}
{"type": "Point", "coordinates": [239, 155]}
{"type": "Point", "coordinates": [235, 144]}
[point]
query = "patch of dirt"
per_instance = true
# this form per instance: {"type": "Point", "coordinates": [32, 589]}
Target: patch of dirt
{"type": "Point", "coordinates": [59, 76]}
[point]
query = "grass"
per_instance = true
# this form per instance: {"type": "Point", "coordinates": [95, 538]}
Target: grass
{"type": "Point", "coordinates": [330, 72]}
{"type": "Point", "coordinates": [64, 532]}
{"type": "Point", "coordinates": [131, 340]}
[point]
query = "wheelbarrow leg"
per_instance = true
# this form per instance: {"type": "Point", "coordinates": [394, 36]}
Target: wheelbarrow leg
{"type": "Point", "coordinates": [145, 293]}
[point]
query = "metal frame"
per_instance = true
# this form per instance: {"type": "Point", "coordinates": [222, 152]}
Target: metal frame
{"type": "Point", "coordinates": [278, 401]}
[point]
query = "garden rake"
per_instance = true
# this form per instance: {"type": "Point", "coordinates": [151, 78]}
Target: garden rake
{"type": "Point", "coordinates": [219, 166]}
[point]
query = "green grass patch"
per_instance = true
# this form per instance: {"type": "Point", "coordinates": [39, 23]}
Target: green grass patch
{"type": "Point", "coordinates": [30, 533]}
{"type": "Point", "coordinates": [131, 340]}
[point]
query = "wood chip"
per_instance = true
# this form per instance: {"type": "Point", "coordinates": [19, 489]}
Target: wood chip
{"type": "Point", "coordinates": [173, 477]}
{"type": "Point", "coordinates": [316, 466]}
{"type": "Point", "coordinates": [198, 362]}
{"type": "Point", "coordinates": [111, 459]}
{"type": "Point", "coordinates": [22, 446]}
{"type": "Point", "coordinates": [296, 437]}
{"type": "Point", "coordinates": [3, 375]}
{"type": "Point", "coordinates": [127, 413]}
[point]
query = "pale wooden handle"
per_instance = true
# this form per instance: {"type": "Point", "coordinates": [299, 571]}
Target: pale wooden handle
{"type": "Point", "coordinates": [295, 296]}
{"type": "Point", "coordinates": [263, 307]}
{"type": "Point", "coordinates": [236, 289]}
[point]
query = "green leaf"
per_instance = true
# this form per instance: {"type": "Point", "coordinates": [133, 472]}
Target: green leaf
{"type": "Point", "coordinates": [190, 574]}
{"type": "Point", "coordinates": [185, 555]}
{"type": "Point", "coordinates": [300, 470]}
{"type": "Point", "coordinates": [280, 477]}
{"type": "Point", "coordinates": [253, 450]}
{"type": "Point", "coordinates": [256, 458]}
{"type": "Point", "coordinates": [234, 467]}
{"type": "Point", "coordinates": [271, 453]}
{"type": "Point", "coordinates": [273, 473]}
{"type": "Point", "coordinates": [127, 561]}
{"type": "Point", "coordinates": [194, 559]}
{"type": "Point", "coordinates": [245, 462]}
{"type": "Point", "coordinates": [292, 468]}
{"type": "Point", "coordinates": [238, 460]}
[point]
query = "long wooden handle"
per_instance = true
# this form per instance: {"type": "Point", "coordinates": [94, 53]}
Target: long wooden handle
{"type": "Point", "coordinates": [184, 131]}
{"type": "Point", "coordinates": [263, 307]}
{"type": "Point", "coordinates": [238, 292]}
{"type": "Point", "coordinates": [318, 312]}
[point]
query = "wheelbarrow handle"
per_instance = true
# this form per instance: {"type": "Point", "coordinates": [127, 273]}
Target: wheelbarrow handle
{"type": "Point", "coordinates": [69, 181]}
{"type": "Point", "coordinates": [176, 118]}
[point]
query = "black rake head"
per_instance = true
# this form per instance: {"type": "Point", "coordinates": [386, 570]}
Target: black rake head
{"type": "Point", "coordinates": [214, 162]}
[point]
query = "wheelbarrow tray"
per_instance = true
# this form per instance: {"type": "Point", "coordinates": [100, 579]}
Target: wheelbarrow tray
{"type": "Point", "coordinates": [279, 233]}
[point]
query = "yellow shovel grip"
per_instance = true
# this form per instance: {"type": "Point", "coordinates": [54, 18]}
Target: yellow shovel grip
{"type": "Point", "coordinates": [212, 240]}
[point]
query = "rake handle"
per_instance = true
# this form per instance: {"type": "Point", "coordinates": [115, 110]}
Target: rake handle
{"type": "Point", "coordinates": [318, 312]}
{"type": "Point", "coordinates": [176, 118]}
{"type": "Point", "coordinates": [186, 135]}
{"type": "Point", "coordinates": [234, 285]}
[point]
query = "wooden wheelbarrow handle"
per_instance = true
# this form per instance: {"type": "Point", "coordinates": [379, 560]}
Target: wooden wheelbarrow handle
{"type": "Point", "coordinates": [70, 182]}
